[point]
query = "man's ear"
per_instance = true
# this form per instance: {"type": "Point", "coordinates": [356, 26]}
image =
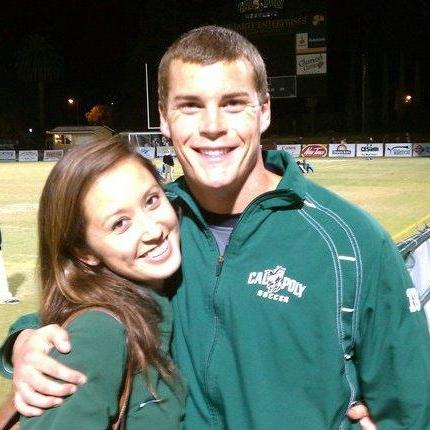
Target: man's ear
{"type": "Point", "coordinates": [265, 114]}
{"type": "Point", "coordinates": [164, 126]}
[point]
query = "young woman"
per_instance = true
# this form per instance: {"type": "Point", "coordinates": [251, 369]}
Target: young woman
{"type": "Point", "coordinates": [108, 237]}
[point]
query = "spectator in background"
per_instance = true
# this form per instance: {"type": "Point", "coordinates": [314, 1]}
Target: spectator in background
{"type": "Point", "coordinates": [6, 296]}
{"type": "Point", "coordinates": [305, 167]}
{"type": "Point", "coordinates": [167, 169]}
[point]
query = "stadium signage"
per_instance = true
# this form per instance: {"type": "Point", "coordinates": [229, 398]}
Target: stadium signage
{"type": "Point", "coordinates": [370, 149]}
{"type": "Point", "coordinates": [258, 5]}
{"type": "Point", "coordinates": [311, 64]}
{"type": "Point", "coordinates": [341, 150]}
{"type": "Point", "coordinates": [27, 155]}
{"type": "Point", "coordinates": [398, 150]}
{"type": "Point", "coordinates": [310, 43]}
{"type": "Point", "coordinates": [53, 155]}
{"type": "Point", "coordinates": [293, 149]}
{"type": "Point", "coordinates": [314, 150]}
{"type": "Point", "coordinates": [421, 150]}
{"type": "Point", "coordinates": [7, 155]}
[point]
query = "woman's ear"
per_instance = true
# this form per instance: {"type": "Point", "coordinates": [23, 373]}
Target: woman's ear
{"type": "Point", "coordinates": [87, 258]}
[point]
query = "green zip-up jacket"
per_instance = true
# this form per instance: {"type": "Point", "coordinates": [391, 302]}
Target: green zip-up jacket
{"type": "Point", "coordinates": [259, 332]}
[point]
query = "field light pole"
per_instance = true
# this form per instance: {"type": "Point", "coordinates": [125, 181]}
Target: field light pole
{"type": "Point", "coordinates": [75, 102]}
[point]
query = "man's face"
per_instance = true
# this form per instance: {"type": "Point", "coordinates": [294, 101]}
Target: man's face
{"type": "Point", "coordinates": [215, 119]}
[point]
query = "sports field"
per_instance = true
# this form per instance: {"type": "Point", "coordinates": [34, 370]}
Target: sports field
{"type": "Point", "coordinates": [395, 191]}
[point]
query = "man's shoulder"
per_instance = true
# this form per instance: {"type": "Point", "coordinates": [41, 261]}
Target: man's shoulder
{"type": "Point", "coordinates": [335, 207]}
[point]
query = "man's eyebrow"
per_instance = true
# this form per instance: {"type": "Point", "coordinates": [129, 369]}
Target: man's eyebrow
{"type": "Point", "coordinates": [185, 97]}
{"type": "Point", "coordinates": [235, 94]}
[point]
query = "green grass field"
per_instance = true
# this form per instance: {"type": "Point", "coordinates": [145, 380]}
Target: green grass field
{"type": "Point", "coordinates": [395, 191]}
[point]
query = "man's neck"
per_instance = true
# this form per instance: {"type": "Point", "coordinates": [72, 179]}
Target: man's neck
{"type": "Point", "coordinates": [236, 197]}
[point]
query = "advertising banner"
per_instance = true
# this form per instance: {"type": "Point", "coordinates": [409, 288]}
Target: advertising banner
{"type": "Point", "coordinates": [7, 155]}
{"type": "Point", "coordinates": [310, 43]}
{"type": "Point", "coordinates": [165, 150]}
{"type": "Point", "coordinates": [421, 150]}
{"type": "Point", "coordinates": [398, 150]}
{"type": "Point", "coordinates": [314, 150]}
{"type": "Point", "coordinates": [293, 149]}
{"type": "Point", "coordinates": [53, 154]}
{"type": "Point", "coordinates": [27, 155]}
{"type": "Point", "coordinates": [370, 149]}
{"type": "Point", "coordinates": [146, 151]}
{"type": "Point", "coordinates": [341, 150]}
{"type": "Point", "coordinates": [311, 64]}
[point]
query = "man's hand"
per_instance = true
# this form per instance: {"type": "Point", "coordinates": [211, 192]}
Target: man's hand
{"type": "Point", "coordinates": [34, 369]}
{"type": "Point", "coordinates": [360, 413]}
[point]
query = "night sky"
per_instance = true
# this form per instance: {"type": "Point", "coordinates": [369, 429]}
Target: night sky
{"type": "Point", "coordinates": [103, 42]}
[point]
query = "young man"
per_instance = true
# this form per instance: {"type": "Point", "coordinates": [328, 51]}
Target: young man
{"type": "Point", "coordinates": [269, 333]}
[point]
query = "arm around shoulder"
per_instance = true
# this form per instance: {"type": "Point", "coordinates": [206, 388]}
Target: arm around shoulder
{"type": "Point", "coordinates": [22, 323]}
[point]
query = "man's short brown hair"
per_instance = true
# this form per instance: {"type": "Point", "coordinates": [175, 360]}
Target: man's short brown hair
{"type": "Point", "coordinates": [208, 45]}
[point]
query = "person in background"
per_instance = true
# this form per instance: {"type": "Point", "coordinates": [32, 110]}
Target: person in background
{"type": "Point", "coordinates": [6, 297]}
{"type": "Point", "coordinates": [167, 168]}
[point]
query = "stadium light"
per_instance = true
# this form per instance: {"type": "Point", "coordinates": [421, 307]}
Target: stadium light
{"type": "Point", "coordinates": [75, 102]}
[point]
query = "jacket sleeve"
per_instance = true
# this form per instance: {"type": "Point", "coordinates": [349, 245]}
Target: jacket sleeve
{"type": "Point", "coordinates": [99, 350]}
{"type": "Point", "coordinates": [22, 323]}
{"type": "Point", "coordinates": [393, 352]}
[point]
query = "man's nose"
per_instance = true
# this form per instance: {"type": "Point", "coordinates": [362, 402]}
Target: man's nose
{"type": "Point", "coordinates": [212, 124]}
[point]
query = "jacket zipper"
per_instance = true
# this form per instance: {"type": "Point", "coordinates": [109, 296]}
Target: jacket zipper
{"type": "Point", "coordinates": [218, 271]}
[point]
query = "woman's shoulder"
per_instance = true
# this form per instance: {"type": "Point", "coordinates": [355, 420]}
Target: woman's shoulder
{"type": "Point", "coordinates": [95, 334]}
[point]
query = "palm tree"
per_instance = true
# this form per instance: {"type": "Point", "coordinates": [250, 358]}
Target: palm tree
{"type": "Point", "coordinates": [39, 61]}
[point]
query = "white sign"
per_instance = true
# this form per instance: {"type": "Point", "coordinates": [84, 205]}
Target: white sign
{"type": "Point", "coordinates": [27, 156]}
{"type": "Point", "coordinates": [370, 149]}
{"type": "Point", "coordinates": [165, 150]}
{"type": "Point", "coordinates": [53, 155]}
{"type": "Point", "coordinates": [146, 151]}
{"type": "Point", "coordinates": [7, 155]}
{"type": "Point", "coordinates": [311, 64]}
{"type": "Point", "coordinates": [398, 149]}
{"type": "Point", "coordinates": [341, 150]}
{"type": "Point", "coordinates": [293, 149]}
{"type": "Point", "coordinates": [301, 41]}
{"type": "Point", "coordinates": [421, 150]}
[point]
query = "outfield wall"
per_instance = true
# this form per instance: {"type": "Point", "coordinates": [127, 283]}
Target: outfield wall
{"type": "Point", "coordinates": [57, 154]}
{"type": "Point", "coordinates": [312, 150]}
{"type": "Point", "coordinates": [350, 150]}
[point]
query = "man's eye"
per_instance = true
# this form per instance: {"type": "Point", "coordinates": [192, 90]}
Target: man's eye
{"type": "Point", "coordinates": [121, 225]}
{"type": "Point", "coordinates": [189, 108]}
{"type": "Point", "coordinates": [234, 106]}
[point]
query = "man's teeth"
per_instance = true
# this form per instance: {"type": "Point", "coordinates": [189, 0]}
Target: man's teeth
{"type": "Point", "coordinates": [159, 250]}
{"type": "Point", "coordinates": [214, 152]}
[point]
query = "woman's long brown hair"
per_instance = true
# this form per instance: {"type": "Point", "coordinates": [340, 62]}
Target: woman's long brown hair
{"type": "Point", "coordinates": [67, 283]}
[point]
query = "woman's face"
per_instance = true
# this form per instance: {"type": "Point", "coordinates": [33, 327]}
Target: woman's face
{"type": "Point", "coordinates": [131, 226]}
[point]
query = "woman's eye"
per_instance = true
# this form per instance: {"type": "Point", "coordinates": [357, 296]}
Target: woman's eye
{"type": "Point", "coordinates": [152, 201]}
{"type": "Point", "coordinates": [120, 225]}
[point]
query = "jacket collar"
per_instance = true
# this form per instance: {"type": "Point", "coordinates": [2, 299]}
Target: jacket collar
{"type": "Point", "coordinates": [290, 192]}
